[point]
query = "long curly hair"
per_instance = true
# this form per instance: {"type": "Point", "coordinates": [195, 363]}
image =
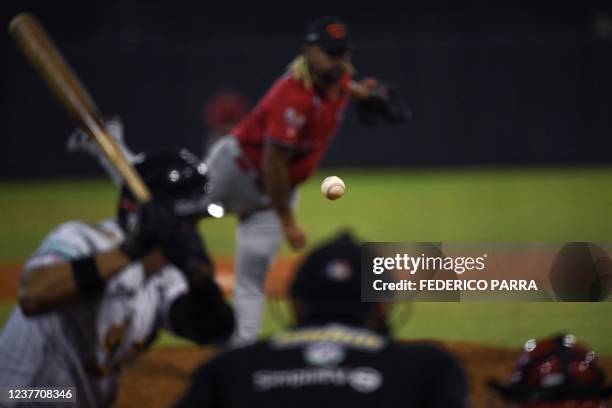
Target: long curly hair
{"type": "Point", "coordinates": [300, 71]}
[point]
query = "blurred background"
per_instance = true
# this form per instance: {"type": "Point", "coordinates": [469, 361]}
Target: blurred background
{"type": "Point", "coordinates": [510, 140]}
{"type": "Point", "coordinates": [505, 82]}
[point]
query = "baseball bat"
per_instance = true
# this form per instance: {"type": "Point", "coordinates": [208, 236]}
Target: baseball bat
{"type": "Point", "coordinates": [48, 61]}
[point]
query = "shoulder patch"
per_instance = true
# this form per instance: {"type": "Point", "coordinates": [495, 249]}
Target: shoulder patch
{"type": "Point", "coordinates": [60, 247]}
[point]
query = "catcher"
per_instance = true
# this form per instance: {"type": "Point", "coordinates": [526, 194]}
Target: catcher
{"type": "Point", "coordinates": [339, 353]}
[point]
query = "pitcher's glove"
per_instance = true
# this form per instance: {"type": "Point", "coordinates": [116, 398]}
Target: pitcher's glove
{"type": "Point", "coordinates": [382, 105]}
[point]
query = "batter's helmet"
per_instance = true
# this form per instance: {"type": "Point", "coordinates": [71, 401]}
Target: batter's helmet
{"type": "Point", "coordinates": [177, 179]}
{"type": "Point", "coordinates": [555, 372]}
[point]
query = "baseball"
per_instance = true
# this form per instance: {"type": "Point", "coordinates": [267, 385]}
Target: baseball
{"type": "Point", "coordinates": [333, 187]}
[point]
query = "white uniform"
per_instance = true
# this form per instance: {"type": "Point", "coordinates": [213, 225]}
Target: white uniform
{"type": "Point", "coordinates": [88, 344]}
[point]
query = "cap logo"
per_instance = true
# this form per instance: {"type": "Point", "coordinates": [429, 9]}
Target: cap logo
{"type": "Point", "coordinates": [336, 30]}
{"type": "Point", "coordinates": [339, 270]}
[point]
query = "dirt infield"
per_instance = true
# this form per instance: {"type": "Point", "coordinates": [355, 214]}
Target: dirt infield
{"type": "Point", "coordinates": [161, 375]}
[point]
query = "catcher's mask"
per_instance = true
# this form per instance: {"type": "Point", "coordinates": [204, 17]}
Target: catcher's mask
{"type": "Point", "coordinates": [554, 373]}
{"type": "Point", "coordinates": [177, 179]}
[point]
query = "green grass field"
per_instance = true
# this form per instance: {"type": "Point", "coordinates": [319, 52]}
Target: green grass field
{"type": "Point", "coordinates": [393, 205]}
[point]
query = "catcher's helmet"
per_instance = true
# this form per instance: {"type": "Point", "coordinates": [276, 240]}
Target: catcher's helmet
{"type": "Point", "coordinates": [177, 179]}
{"type": "Point", "coordinates": [328, 283]}
{"type": "Point", "coordinates": [553, 373]}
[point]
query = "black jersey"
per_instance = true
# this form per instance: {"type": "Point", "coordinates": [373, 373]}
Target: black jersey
{"type": "Point", "coordinates": [327, 366]}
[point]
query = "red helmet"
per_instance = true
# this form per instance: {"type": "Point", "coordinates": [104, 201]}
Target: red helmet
{"type": "Point", "coordinates": [555, 372]}
{"type": "Point", "coordinates": [225, 108]}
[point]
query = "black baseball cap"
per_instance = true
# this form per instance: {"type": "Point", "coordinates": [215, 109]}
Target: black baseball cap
{"type": "Point", "coordinates": [331, 34]}
{"type": "Point", "coordinates": [330, 273]}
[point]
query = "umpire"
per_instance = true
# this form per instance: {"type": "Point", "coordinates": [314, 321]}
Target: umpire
{"type": "Point", "coordinates": [338, 352]}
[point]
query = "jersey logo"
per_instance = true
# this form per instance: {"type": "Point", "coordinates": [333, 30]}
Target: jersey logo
{"type": "Point", "coordinates": [324, 354]}
{"type": "Point", "coordinates": [294, 120]}
{"type": "Point", "coordinates": [365, 379]}
{"type": "Point", "coordinates": [357, 339]}
{"type": "Point", "coordinates": [360, 379]}
{"type": "Point", "coordinates": [121, 291]}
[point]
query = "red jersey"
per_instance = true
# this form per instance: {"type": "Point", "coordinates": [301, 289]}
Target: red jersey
{"type": "Point", "coordinates": [292, 115]}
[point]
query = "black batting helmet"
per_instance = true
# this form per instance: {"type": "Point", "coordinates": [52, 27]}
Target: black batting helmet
{"type": "Point", "coordinates": [177, 179]}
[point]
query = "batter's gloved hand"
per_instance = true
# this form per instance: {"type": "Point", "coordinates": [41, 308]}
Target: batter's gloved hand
{"type": "Point", "coordinates": [185, 249]}
{"type": "Point", "coordinates": [178, 239]}
{"type": "Point", "coordinates": [382, 105]}
{"type": "Point", "coordinates": [154, 223]}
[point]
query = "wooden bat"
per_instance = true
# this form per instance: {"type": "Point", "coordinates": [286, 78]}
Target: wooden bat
{"type": "Point", "coordinates": [40, 51]}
